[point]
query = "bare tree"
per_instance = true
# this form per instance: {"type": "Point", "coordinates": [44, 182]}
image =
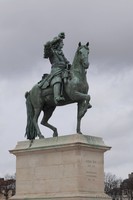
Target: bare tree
{"type": "Point", "coordinates": [7, 187]}
{"type": "Point", "coordinates": [112, 186]}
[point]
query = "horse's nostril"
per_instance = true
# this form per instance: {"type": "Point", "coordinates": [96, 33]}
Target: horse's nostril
{"type": "Point", "coordinates": [87, 65]}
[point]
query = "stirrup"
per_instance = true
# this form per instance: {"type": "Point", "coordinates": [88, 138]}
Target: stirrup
{"type": "Point", "coordinates": [59, 99]}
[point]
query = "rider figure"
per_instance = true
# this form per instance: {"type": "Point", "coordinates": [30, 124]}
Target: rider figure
{"type": "Point", "coordinates": [53, 51]}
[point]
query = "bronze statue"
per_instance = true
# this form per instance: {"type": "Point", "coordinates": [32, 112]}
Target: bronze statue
{"type": "Point", "coordinates": [66, 84]}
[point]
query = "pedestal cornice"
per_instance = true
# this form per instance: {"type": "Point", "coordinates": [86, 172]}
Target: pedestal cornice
{"type": "Point", "coordinates": [67, 141]}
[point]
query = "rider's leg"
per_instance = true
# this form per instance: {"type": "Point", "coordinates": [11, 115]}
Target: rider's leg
{"type": "Point", "coordinates": [57, 93]}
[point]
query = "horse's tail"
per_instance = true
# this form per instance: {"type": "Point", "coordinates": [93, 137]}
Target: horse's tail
{"type": "Point", "coordinates": [30, 128]}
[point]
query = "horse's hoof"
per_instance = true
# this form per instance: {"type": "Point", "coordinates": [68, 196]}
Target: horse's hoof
{"type": "Point", "coordinates": [89, 106]}
{"type": "Point", "coordinates": [79, 132]}
{"type": "Point", "coordinates": [41, 137]}
{"type": "Point", "coordinates": [55, 134]}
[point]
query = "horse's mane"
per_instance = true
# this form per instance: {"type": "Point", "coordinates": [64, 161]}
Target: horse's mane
{"type": "Point", "coordinates": [76, 54]}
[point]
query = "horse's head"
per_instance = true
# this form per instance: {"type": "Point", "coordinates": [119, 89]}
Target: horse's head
{"type": "Point", "coordinates": [82, 53]}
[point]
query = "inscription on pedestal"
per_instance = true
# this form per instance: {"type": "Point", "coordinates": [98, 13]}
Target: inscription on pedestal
{"type": "Point", "coordinates": [91, 172]}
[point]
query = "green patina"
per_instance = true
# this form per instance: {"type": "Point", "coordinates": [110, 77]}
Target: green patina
{"type": "Point", "coordinates": [65, 84]}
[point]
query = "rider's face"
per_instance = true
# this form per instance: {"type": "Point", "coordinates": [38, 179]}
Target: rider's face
{"type": "Point", "coordinates": [61, 45]}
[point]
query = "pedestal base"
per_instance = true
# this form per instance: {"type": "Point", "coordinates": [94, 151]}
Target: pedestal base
{"type": "Point", "coordinates": [90, 197]}
{"type": "Point", "coordinates": [67, 167]}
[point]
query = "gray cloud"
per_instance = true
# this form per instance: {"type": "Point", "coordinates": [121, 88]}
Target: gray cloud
{"type": "Point", "coordinates": [26, 26]}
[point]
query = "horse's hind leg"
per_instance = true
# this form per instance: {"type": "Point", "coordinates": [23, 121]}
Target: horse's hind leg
{"type": "Point", "coordinates": [47, 114]}
{"type": "Point", "coordinates": [35, 121]}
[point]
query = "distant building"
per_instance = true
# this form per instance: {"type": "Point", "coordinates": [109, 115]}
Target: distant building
{"type": "Point", "coordinates": [130, 175]}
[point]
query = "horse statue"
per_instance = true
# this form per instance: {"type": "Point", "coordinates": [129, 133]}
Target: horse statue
{"type": "Point", "coordinates": [75, 90]}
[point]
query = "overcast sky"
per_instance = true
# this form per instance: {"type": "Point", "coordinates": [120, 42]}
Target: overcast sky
{"type": "Point", "coordinates": [25, 26]}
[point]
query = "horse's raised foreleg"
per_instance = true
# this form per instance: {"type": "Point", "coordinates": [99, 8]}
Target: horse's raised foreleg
{"type": "Point", "coordinates": [81, 96]}
{"type": "Point", "coordinates": [47, 114]}
{"type": "Point", "coordinates": [35, 121]}
{"type": "Point", "coordinates": [82, 108]}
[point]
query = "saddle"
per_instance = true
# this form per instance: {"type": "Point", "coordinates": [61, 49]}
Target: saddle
{"type": "Point", "coordinates": [47, 78]}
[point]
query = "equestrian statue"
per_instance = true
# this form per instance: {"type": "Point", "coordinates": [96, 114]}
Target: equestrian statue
{"type": "Point", "coordinates": [64, 85]}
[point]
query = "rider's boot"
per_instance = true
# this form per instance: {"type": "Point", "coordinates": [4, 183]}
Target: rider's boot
{"type": "Point", "coordinates": [57, 93]}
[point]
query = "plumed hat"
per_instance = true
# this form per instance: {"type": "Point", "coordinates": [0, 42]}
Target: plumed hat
{"type": "Point", "coordinates": [61, 35]}
{"type": "Point", "coordinates": [58, 39]}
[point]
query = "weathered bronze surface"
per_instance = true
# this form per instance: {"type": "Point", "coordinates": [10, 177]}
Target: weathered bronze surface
{"type": "Point", "coordinates": [64, 85]}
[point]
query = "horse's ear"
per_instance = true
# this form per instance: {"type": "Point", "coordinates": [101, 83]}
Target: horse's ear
{"type": "Point", "coordinates": [87, 44]}
{"type": "Point", "coordinates": [79, 44]}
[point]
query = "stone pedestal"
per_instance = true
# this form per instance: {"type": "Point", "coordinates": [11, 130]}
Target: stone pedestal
{"type": "Point", "coordinates": [66, 167]}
